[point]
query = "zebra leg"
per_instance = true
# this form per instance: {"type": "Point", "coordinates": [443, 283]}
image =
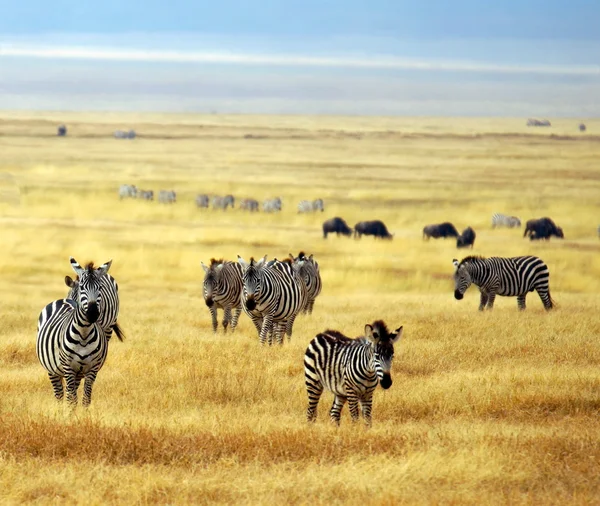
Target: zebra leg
{"type": "Point", "coordinates": [309, 306]}
{"type": "Point", "coordinates": [279, 331]}
{"type": "Point", "coordinates": [73, 379]}
{"type": "Point", "coordinates": [226, 317]}
{"type": "Point", "coordinates": [289, 326]}
{"type": "Point", "coordinates": [483, 300]}
{"type": "Point", "coordinates": [491, 299]}
{"type": "Point", "coordinates": [213, 315]}
{"type": "Point", "coordinates": [366, 404]}
{"type": "Point", "coordinates": [546, 299]}
{"type": "Point", "coordinates": [314, 389]}
{"type": "Point", "coordinates": [236, 316]}
{"type": "Point", "coordinates": [57, 386]}
{"type": "Point", "coordinates": [521, 301]}
{"type": "Point", "coordinates": [267, 325]}
{"type": "Point", "coordinates": [353, 406]}
{"type": "Point", "coordinates": [336, 409]}
{"type": "Point", "coordinates": [88, 384]}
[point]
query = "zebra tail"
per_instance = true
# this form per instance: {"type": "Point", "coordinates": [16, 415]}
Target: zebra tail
{"type": "Point", "coordinates": [119, 331]}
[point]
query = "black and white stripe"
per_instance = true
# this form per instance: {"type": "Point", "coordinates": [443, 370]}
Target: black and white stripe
{"type": "Point", "coordinates": [349, 368]}
{"type": "Point", "coordinates": [502, 220]}
{"type": "Point", "coordinates": [308, 270]}
{"type": "Point", "coordinates": [272, 296]}
{"type": "Point", "coordinates": [510, 277]}
{"type": "Point", "coordinates": [306, 206]}
{"type": "Point", "coordinates": [71, 344]}
{"type": "Point", "coordinates": [222, 289]}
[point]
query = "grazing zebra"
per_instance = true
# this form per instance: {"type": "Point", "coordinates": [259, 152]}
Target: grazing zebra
{"type": "Point", "coordinates": [145, 194]}
{"type": "Point", "coordinates": [127, 191]}
{"type": "Point", "coordinates": [272, 296]}
{"type": "Point", "coordinates": [272, 205]}
{"type": "Point", "coordinates": [308, 270]}
{"type": "Point", "coordinates": [249, 205]}
{"type": "Point", "coordinates": [318, 205]}
{"type": "Point", "coordinates": [509, 277]}
{"type": "Point", "coordinates": [223, 290]}
{"type": "Point", "coordinates": [306, 206]}
{"type": "Point", "coordinates": [109, 302]}
{"type": "Point", "coordinates": [71, 344]}
{"type": "Point", "coordinates": [349, 368]}
{"type": "Point", "coordinates": [229, 200]}
{"type": "Point", "coordinates": [202, 201]}
{"type": "Point", "coordinates": [501, 220]}
{"type": "Point", "coordinates": [167, 196]}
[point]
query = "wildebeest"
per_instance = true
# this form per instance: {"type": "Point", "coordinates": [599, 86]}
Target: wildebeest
{"type": "Point", "coordinates": [202, 201]}
{"type": "Point", "coordinates": [167, 196]}
{"type": "Point", "coordinates": [249, 205]}
{"type": "Point", "coordinates": [375, 228]}
{"type": "Point", "coordinates": [336, 226]}
{"type": "Point", "coordinates": [61, 130]}
{"type": "Point", "coordinates": [466, 239]}
{"type": "Point", "coordinates": [582, 127]}
{"type": "Point", "coordinates": [542, 228]}
{"type": "Point", "coordinates": [444, 230]}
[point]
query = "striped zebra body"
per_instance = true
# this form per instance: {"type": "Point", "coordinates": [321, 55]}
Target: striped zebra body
{"type": "Point", "coordinates": [349, 368]}
{"type": "Point", "coordinates": [318, 205]}
{"type": "Point", "coordinates": [305, 206]}
{"type": "Point", "coordinates": [127, 191]}
{"type": "Point", "coordinates": [308, 270]}
{"type": "Point", "coordinates": [272, 205]}
{"type": "Point", "coordinates": [145, 194]}
{"type": "Point", "coordinates": [202, 201]}
{"type": "Point", "coordinates": [71, 344]}
{"type": "Point", "coordinates": [222, 289]}
{"type": "Point", "coordinates": [509, 277]}
{"type": "Point", "coordinates": [249, 205]}
{"type": "Point", "coordinates": [167, 196]}
{"type": "Point", "coordinates": [502, 220]}
{"type": "Point", "coordinates": [272, 296]}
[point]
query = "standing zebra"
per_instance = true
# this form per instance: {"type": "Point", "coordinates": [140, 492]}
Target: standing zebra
{"type": "Point", "coordinates": [349, 368]}
{"type": "Point", "coordinates": [272, 205]}
{"type": "Point", "coordinates": [306, 206]}
{"type": "Point", "coordinates": [167, 196]}
{"type": "Point", "coordinates": [223, 290]}
{"type": "Point", "coordinates": [308, 270]}
{"type": "Point", "coordinates": [509, 277]}
{"type": "Point", "coordinates": [145, 194]}
{"type": "Point", "coordinates": [502, 220]}
{"type": "Point", "coordinates": [249, 205]}
{"type": "Point", "coordinates": [202, 201]}
{"type": "Point", "coordinates": [71, 344]}
{"type": "Point", "coordinates": [127, 191]}
{"type": "Point", "coordinates": [272, 296]}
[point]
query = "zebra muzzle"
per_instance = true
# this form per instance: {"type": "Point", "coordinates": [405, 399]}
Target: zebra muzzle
{"type": "Point", "coordinates": [209, 302]}
{"type": "Point", "coordinates": [386, 381]}
{"type": "Point", "coordinates": [92, 312]}
{"type": "Point", "coordinates": [250, 304]}
{"type": "Point", "coordinates": [458, 295]}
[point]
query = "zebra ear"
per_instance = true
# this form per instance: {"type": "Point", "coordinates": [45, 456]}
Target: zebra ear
{"type": "Point", "coordinates": [76, 267]}
{"type": "Point", "coordinates": [69, 282]}
{"type": "Point", "coordinates": [219, 267]}
{"type": "Point", "coordinates": [104, 267]}
{"type": "Point", "coordinates": [242, 262]}
{"type": "Point", "coordinates": [397, 335]}
{"type": "Point", "coordinates": [206, 268]}
{"type": "Point", "coordinates": [261, 261]}
{"type": "Point", "coordinates": [370, 335]}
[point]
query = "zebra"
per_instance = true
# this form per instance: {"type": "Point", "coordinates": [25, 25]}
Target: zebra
{"type": "Point", "coordinates": [71, 343]}
{"type": "Point", "coordinates": [308, 270]}
{"type": "Point", "coordinates": [202, 201]}
{"type": "Point", "coordinates": [349, 368]}
{"type": "Point", "coordinates": [109, 303]}
{"type": "Point", "coordinates": [167, 196]}
{"type": "Point", "coordinates": [306, 206]}
{"type": "Point", "coordinates": [127, 191]}
{"type": "Point", "coordinates": [272, 205]}
{"type": "Point", "coordinates": [223, 290]}
{"type": "Point", "coordinates": [509, 277]}
{"type": "Point", "coordinates": [318, 205]}
{"type": "Point", "coordinates": [145, 194]}
{"type": "Point", "coordinates": [502, 220]}
{"type": "Point", "coordinates": [229, 200]}
{"type": "Point", "coordinates": [272, 296]}
{"type": "Point", "coordinates": [249, 205]}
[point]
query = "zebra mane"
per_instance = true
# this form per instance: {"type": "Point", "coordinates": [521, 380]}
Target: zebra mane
{"type": "Point", "coordinates": [380, 327]}
{"type": "Point", "coordinates": [89, 266]}
{"type": "Point", "coordinates": [301, 255]}
{"type": "Point", "coordinates": [470, 259]}
{"type": "Point", "coordinates": [214, 261]}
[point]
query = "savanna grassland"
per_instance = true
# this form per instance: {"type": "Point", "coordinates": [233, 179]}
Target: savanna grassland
{"type": "Point", "coordinates": [499, 407]}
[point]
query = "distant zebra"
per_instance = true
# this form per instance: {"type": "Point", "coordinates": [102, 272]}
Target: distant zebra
{"type": "Point", "coordinates": [229, 201]}
{"type": "Point", "coordinates": [306, 206]}
{"type": "Point", "coordinates": [272, 296]}
{"type": "Point", "coordinates": [318, 205]}
{"type": "Point", "coordinates": [167, 196]}
{"type": "Point", "coordinates": [145, 194]}
{"type": "Point", "coordinates": [249, 205]}
{"type": "Point", "coordinates": [272, 205]}
{"type": "Point", "coordinates": [202, 201]}
{"type": "Point", "coordinates": [509, 277]}
{"type": "Point", "coordinates": [223, 290]}
{"type": "Point", "coordinates": [127, 191]}
{"type": "Point", "coordinates": [502, 220]}
{"type": "Point", "coordinates": [122, 134]}
{"type": "Point", "coordinates": [109, 301]}
{"type": "Point", "coordinates": [308, 270]}
{"type": "Point", "coordinates": [71, 344]}
{"type": "Point", "coordinates": [349, 368]}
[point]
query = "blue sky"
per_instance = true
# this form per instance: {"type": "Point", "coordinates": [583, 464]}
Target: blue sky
{"type": "Point", "coordinates": [344, 57]}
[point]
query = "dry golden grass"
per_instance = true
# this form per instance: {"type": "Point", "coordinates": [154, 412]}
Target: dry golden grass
{"type": "Point", "coordinates": [494, 408]}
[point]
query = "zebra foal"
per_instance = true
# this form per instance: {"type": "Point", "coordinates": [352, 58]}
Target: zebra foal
{"type": "Point", "coordinates": [222, 289]}
{"type": "Point", "coordinates": [71, 344]}
{"type": "Point", "coordinates": [509, 277]}
{"type": "Point", "coordinates": [349, 368]}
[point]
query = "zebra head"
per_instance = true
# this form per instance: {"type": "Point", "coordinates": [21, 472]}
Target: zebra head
{"type": "Point", "coordinates": [88, 287]}
{"type": "Point", "coordinates": [252, 280]}
{"type": "Point", "coordinates": [73, 285]}
{"type": "Point", "coordinates": [383, 342]}
{"type": "Point", "coordinates": [212, 279]}
{"type": "Point", "coordinates": [462, 279]}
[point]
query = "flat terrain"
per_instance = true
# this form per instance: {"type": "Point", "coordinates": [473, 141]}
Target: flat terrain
{"type": "Point", "coordinates": [501, 407]}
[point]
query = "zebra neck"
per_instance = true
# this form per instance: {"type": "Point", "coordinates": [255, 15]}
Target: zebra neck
{"type": "Point", "coordinates": [81, 324]}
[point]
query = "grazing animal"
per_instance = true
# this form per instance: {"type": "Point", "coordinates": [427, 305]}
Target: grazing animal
{"type": "Point", "coordinates": [272, 205]}
{"type": "Point", "coordinates": [444, 230]}
{"type": "Point", "coordinates": [249, 205]}
{"type": "Point", "coordinates": [223, 202]}
{"type": "Point", "coordinates": [223, 290]}
{"type": "Point", "coordinates": [108, 306]}
{"type": "Point", "coordinates": [582, 127]}
{"type": "Point", "coordinates": [542, 228]}
{"type": "Point", "coordinates": [501, 220]}
{"type": "Point", "coordinates": [202, 201]}
{"type": "Point", "coordinates": [538, 122]}
{"type": "Point", "coordinates": [308, 270]}
{"type": "Point", "coordinates": [122, 134]}
{"type": "Point", "coordinates": [272, 296]}
{"type": "Point", "coordinates": [466, 239]}
{"type": "Point", "coordinates": [71, 344]}
{"type": "Point", "coordinates": [349, 368]}
{"type": "Point", "coordinates": [306, 206]}
{"type": "Point", "coordinates": [336, 225]}
{"type": "Point", "coordinates": [145, 194]}
{"type": "Point", "coordinates": [375, 228]}
{"type": "Point", "coordinates": [61, 130]}
{"type": "Point", "coordinates": [127, 191]}
{"type": "Point", "coordinates": [509, 277]}
{"type": "Point", "coordinates": [167, 196]}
